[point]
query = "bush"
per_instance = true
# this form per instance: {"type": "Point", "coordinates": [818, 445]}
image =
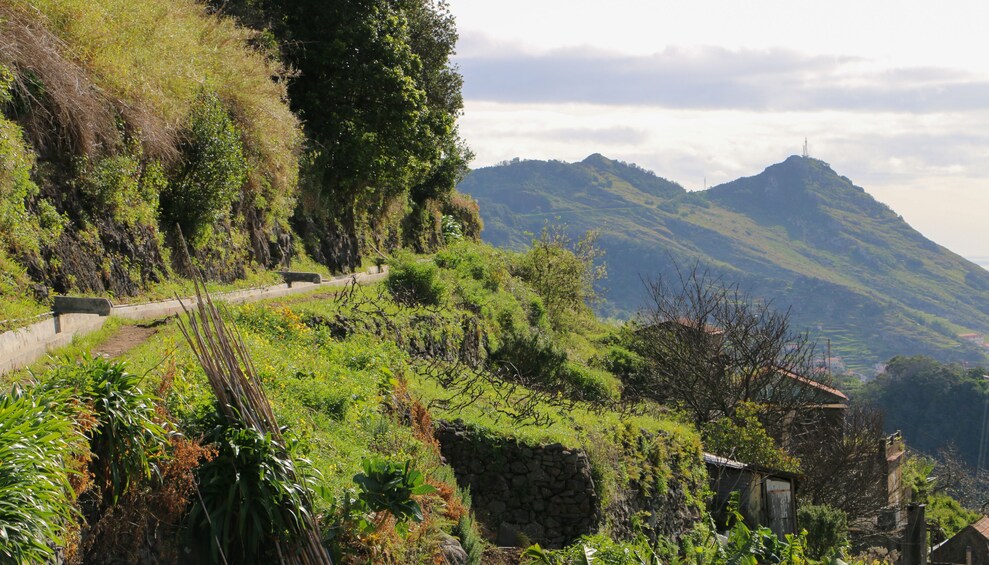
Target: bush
{"type": "Point", "coordinates": [215, 168]}
{"type": "Point", "coordinates": [35, 495]}
{"type": "Point", "coordinates": [318, 395]}
{"type": "Point", "coordinates": [563, 273]}
{"type": "Point", "coordinates": [745, 439]}
{"type": "Point", "coordinates": [413, 282]}
{"type": "Point", "coordinates": [249, 496]}
{"type": "Point", "coordinates": [124, 186]}
{"type": "Point", "coordinates": [592, 385]}
{"type": "Point", "coordinates": [126, 439]}
{"type": "Point", "coordinates": [20, 231]}
{"type": "Point", "coordinates": [534, 356]}
{"type": "Point", "coordinates": [388, 486]}
{"type": "Point", "coordinates": [827, 530]}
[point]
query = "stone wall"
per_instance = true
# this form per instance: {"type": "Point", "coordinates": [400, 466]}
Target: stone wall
{"type": "Point", "coordinates": [545, 493]}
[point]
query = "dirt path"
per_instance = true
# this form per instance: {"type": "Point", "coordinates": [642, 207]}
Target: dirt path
{"type": "Point", "coordinates": [127, 338]}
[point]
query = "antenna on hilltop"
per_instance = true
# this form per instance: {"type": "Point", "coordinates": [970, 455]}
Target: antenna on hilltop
{"type": "Point", "coordinates": [806, 152]}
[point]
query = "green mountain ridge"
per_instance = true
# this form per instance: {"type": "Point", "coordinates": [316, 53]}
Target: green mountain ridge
{"type": "Point", "coordinates": [851, 270]}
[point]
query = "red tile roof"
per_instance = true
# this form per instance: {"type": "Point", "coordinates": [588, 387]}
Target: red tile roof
{"type": "Point", "coordinates": [814, 384]}
{"type": "Point", "coordinates": [982, 526]}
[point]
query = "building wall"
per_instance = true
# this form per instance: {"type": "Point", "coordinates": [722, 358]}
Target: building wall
{"type": "Point", "coordinates": [954, 550]}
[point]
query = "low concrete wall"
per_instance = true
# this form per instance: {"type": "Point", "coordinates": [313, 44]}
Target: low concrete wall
{"type": "Point", "coordinates": [77, 317]}
{"type": "Point", "coordinates": [21, 347]}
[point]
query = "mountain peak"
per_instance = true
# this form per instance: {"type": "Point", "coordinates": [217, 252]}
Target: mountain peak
{"type": "Point", "coordinates": [597, 159]}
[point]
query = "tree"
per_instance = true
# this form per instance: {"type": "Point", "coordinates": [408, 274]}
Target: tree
{"type": "Point", "coordinates": [708, 347]}
{"type": "Point", "coordinates": [379, 99]}
{"type": "Point", "coordinates": [845, 467]}
{"type": "Point", "coordinates": [563, 273]}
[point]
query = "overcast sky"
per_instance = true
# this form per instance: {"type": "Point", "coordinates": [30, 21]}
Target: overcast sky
{"type": "Point", "coordinates": [894, 95]}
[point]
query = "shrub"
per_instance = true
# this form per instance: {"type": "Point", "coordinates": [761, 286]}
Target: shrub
{"type": "Point", "coordinates": [126, 439]}
{"type": "Point", "coordinates": [413, 282]}
{"type": "Point", "coordinates": [215, 168]}
{"type": "Point", "coordinates": [249, 495]}
{"type": "Point", "coordinates": [592, 385]}
{"type": "Point", "coordinates": [745, 439]}
{"type": "Point", "coordinates": [465, 211]}
{"type": "Point", "coordinates": [35, 495]}
{"type": "Point", "coordinates": [563, 273]}
{"type": "Point", "coordinates": [535, 358]}
{"type": "Point", "coordinates": [318, 395]}
{"type": "Point", "coordinates": [388, 486]}
{"type": "Point", "coordinates": [827, 530]}
{"type": "Point", "coordinates": [124, 186]}
{"type": "Point", "coordinates": [21, 231]}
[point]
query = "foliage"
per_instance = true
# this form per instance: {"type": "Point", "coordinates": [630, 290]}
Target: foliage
{"type": "Point", "coordinates": [127, 125]}
{"type": "Point", "coordinates": [742, 546]}
{"type": "Point", "coordinates": [470, 539]}
{"type": "Point", "coordinates": [22, 230]}
{"type": "Point", "coordinates": [452, 231]}
{"type": "Point", "coordinates": [36, 498]}
{"type": "Point", "coordinates": [382, 137]}
{"type": "Point", "coordinates": [933, 404]}
{"type": "Point", "coordinates": [931, 482]}
{"type": "Point", "coordinates": [388, 486]}
{"type": "Point", "coordinates": [275, 502]}
{"type": "Point", "coordinates": [127, 439]}
{"type": "Point", "coordinates": [563, 273]}
{"type": "Point", "coordinates": [415, 282]}
{"type": "Point", "coordinates": [250, 495]}
{"type": "Point", "coordinates": [827, 530]}
{"type": "Point", "coordinates": [743, 438]}
{"type": "Point", "coordinates": [214, 169]}
{"type": "Point", "coordinates": [124, 186]}
{"type": "Point", "coordinates": [161, 76]}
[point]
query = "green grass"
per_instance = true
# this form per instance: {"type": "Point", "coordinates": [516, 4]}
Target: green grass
{"type": "Point", "coordinates": [160, 55]}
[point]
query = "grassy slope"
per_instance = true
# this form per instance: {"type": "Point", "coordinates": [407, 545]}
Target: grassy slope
{"type": "Point", "coordinates": [337, 393]}
{"type": "Point", "coordinates": [798, 234]}
{"type": "Point", "coordinates": [147, 65]}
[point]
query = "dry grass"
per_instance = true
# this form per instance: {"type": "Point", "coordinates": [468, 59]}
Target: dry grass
{"type": "Point", "coordinates": [65, 111]}
{"type": "Point", "coordinates": [152, 60]}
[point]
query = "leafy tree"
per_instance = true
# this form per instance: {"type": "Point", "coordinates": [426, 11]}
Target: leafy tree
{"type": "Point", "coordinates": [380, 99]}
{"type": "Point", "coordinates": [563, 273]}
{"type": "Point", "coordinates": [743, 438]}
{"type": "Point", "coordinates": [827, 530]}
{"type": "Point", "coordinates": [932, 403]}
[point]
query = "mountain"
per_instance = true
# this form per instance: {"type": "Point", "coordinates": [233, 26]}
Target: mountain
{"type": "Point", "coordinates": [852, 271]}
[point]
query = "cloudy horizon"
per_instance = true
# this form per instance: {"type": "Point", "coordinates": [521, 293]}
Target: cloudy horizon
{"type": "Point", "coordinates": [707, 93]}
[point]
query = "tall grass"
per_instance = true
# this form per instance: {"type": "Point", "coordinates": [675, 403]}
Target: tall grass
{"type": "Point", "coordinates": [156, 58]}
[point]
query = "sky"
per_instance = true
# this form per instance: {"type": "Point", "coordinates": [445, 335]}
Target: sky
{"type": "Point", "coordinates": [893, 95]}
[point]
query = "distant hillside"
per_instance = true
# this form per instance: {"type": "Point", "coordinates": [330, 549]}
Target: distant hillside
{"type": "Point", "coordinates": [797, 233]}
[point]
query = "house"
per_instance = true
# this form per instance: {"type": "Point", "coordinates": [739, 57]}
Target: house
{"type": "Point", "coordinates": [766, 497]}
{"type": "Point", "coordinates": [968, 547]}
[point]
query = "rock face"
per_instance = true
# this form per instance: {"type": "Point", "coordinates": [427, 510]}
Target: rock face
{"type": "Point", "coordinates": [522, 494]}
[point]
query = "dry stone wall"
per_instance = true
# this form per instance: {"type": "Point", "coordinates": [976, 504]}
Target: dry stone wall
{"type": "Point", "coordinates": [521, 493]}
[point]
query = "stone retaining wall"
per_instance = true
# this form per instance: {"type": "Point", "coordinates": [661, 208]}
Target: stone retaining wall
{"type": "Point", "coordinates": [545, 493]}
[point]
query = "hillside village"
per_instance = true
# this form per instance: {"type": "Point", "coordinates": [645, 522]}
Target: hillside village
{"type": "Point", "coordinates": [247, 316]}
